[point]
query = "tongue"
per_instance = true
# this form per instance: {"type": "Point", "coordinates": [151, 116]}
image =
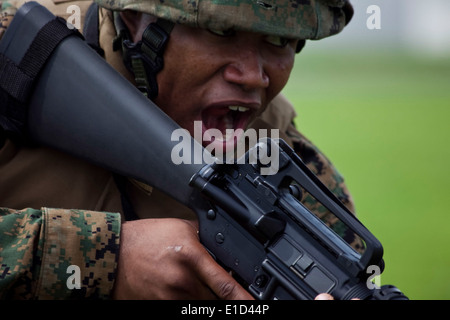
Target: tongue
{"type": "Point", "coordinates": [218, 118]}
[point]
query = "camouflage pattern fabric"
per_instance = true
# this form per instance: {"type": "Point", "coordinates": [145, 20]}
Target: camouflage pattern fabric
{"type": "Point", "coordinates": [7, 12]}
{"type": "Point", "coordinates": [296, 19]}
{"type": "Point", "coordinates": [38, 246]}
{"type": "Point", "coordinates": [59, 8]}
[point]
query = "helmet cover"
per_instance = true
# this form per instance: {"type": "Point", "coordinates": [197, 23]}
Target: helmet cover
{"type": "Point", "coordinates": [294, 19]}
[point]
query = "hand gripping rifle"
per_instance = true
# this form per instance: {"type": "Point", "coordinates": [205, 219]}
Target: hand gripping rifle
{"type": "Point", "coordinates": [58, 92]}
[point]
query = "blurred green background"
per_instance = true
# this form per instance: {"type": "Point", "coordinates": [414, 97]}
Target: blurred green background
{"type": "Point", "coordinates": [378, 105]}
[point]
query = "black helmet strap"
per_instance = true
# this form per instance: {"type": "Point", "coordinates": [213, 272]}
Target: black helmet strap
{"type": "Point", "coordinates": [144, 58]}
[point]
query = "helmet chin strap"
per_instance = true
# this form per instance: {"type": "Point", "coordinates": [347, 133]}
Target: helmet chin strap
{"type": "Point", "coordinates": [145, 57]}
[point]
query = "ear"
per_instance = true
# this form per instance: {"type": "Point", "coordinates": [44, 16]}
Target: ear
{"type": "Point", "coordinates": [136, 23]}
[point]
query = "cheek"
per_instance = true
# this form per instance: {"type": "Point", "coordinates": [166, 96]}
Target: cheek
{"type": "Point", "coordinates": [170, 84]}
{"type": "Point", "coordinates": [178, 93]}
{"type": "Point", "coordinates": [279, 75]}
{"type": "Point", "coordinates": [284, 70]}
{"type": "Point", "coordinates": [181, 67]}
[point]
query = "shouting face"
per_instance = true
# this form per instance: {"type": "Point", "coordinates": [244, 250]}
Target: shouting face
{"type": "Point", "coordinates": [221, 79]}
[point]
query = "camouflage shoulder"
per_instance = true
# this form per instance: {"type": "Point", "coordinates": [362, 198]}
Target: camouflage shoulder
{"type": "Point", "coordinates": [74, 11]}
{"type": "Point", "coordinates": [318, 162]}
{"type": "Point", "coordinates": [7, 12]}
{"type": "Point", "coordinates": [328, 174]}
{"type": "Point", "coordinates": [57, 253]}
{"type": "Point", "coordinates": [19, 231]}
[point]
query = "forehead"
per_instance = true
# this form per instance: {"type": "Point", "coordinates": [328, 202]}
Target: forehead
{"type": "Point", "coordinates": [302, 19]}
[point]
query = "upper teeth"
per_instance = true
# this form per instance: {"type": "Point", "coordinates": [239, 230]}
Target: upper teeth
{"type": "Point", "coordinates": [238, 108]}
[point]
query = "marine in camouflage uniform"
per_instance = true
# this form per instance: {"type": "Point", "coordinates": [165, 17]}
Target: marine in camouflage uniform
{"type": "Point", "coordinates": [37, 245]}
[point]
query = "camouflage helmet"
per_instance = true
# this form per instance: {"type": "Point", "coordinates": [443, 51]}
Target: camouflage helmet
{"type": "Point", "coordinates": [296, 19]}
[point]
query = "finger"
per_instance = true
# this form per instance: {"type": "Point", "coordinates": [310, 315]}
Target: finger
{"type": "Point", "coordinates": [324, 296]}
{"type": "Point", "coordinates": [221, 282]}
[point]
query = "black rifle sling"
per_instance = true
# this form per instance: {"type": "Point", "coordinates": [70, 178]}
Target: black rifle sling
{"type": "Point", "coordinates": [17, 81]}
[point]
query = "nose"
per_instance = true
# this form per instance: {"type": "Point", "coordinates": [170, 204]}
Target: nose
{"type": "Point", "coordinates": [247, 69]}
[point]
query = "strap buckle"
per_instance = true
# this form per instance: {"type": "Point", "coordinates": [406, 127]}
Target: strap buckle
{"type": "Point", "coordinates": [155, 37]}
{"type": "Point", "coordinates": [154, 40]}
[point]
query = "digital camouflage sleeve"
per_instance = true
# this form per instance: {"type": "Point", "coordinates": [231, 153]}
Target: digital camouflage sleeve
{"type": "Point", "coordinates": [39, 246]}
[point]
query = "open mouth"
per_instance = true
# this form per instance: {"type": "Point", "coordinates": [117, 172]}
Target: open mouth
{"type": "Point", "coordinates": [222, 127]}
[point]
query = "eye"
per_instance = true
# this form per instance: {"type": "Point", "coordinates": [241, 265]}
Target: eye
{"type": "Point", "coordinates": [277, 41]}
{"type": "Point", "coordinates": [223, 33]}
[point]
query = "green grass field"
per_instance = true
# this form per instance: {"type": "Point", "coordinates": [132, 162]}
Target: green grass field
{"type": "Point", "coordinates": [383, 120]}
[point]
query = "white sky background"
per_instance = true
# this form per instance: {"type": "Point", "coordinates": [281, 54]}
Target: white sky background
{"type": "Point", "coordinates": [422, 27]}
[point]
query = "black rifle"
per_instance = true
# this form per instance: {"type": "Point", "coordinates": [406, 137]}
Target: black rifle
{"type": "Point", "coordinates": [253, 224]}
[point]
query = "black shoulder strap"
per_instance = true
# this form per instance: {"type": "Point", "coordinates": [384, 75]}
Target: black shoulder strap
{"type": "Point", "coordinates": [145, 57]}
{"type": "Point", "coordinates": [17, 81]}
{"type": "Point", "coordinates": [91, 29]}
